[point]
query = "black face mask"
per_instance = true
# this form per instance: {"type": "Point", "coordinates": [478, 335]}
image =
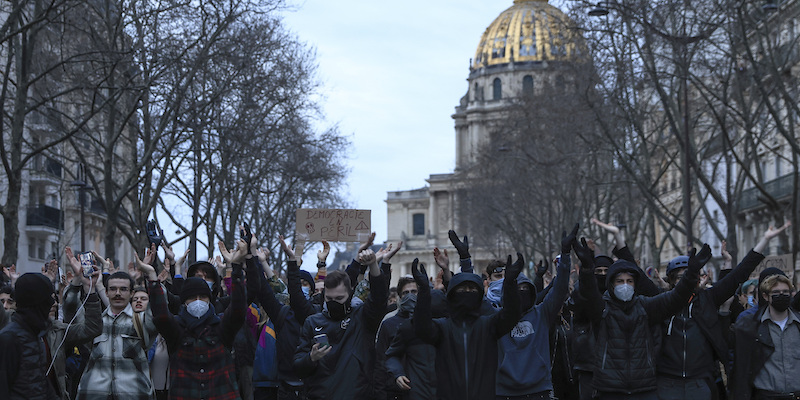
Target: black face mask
{"type": "Point", "coordinates": [337, 311]}
{"type": "Point", "coordinates": [601, 282]}
{"type": "Point", "coordinates": [316, 298]}
{"type": "Point", "coordinates": [780, 302]}
{"type": "Point", "coordinates": [526, 299]}
{"type": "Point", "coordinates": [465, 302]}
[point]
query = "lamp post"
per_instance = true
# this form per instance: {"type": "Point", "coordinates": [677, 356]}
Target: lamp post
{"type": "Point", "coordinates": [81, 186]}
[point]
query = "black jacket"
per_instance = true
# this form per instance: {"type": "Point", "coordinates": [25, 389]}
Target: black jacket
{"type": "Point", "coordinates": [346, 372]}
{"type": "Point", "coordinates": [23, 363]}
{"type": "Point", "coordinates": [384, 381]}
{"type": "Point", "coordinates": [627, 335]}
{"type": "Point", "coordinates": [466, 348]}
{"type": "Point", "coordinates": [409, 356]}
{"type": "Point", "coordinates": [706, 337]}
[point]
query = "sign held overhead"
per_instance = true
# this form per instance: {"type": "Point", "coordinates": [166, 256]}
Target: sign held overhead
{"type": "Point", "coordinates": [333, 225]}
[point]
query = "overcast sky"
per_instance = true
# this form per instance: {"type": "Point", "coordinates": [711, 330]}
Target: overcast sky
{"type": "Point", "coordinates": [392, 74]}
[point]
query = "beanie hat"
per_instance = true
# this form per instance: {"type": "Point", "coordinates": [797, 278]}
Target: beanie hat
{"type": "Point", "coordinates": [603, 261]}
{"type": "Point", "coordinates": [33, 289]}
{"type": "Point", "coordinates": [306, 276]}
{"type": "Point", "coordinates": [194, 286]}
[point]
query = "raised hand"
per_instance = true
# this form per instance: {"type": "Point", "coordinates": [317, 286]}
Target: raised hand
{"type": "Point", "coordinates": [541, 268]}
{"type": "Point", "coordinates": [322, 255]}
{"type": "Point", "coordinates": [146, 269]}
{"type": "Point", "coordinates": [286, 249]}
{"type": "Point", "coordinates": [442, 259]}
{"type": "Point", "coordinates": [150, 254]}
{"type": "Point", "coordinates": [461, 247]}
{"type": "Point", "coordinates": [699, 259]}
{"type": "Point", "coordinates": [367, 257]}
{"type": "Point", "coordinates": [368, 243]}
{"type": "Point", "coordinates": [613, 229]}
{"type": "Point", "coordinates": [163, 275]}
{"type": "Point", "coordinates": [168, 253]}
{"type": "Point", "coordinates": [513, 270]}
{"type": "Point", "coordinates": [419, 273]}
{"type": "Point", "coordinates": [180, 261]}
{"type": "Point", "coordinates": [237, 255]}
{"type": "Point", "coordinates": [585, 254]}
{"type": "Point", "coordinates": [104, 263]}
{"type": "Point", "coordinates": [566, 240]}
{"type": "Point", "coordinates": [390, 253]}
{"type": "Point", "coordinates": [133, 271]}
{"type": "Point", "coordinates": [50, 270]}
{"type": "Point", "coordinates": [73, 261]}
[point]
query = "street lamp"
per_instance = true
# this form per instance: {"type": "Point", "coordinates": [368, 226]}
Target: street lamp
{"type": "Point", "coordinates": [81, 186]}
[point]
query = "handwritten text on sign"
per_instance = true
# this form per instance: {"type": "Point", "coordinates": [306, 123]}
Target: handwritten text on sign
{"type": "Point", "coordinates": [335, 225]}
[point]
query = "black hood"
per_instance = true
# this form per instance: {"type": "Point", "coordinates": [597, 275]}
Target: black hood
{"type": "Point", "coordinates": [619, 267]}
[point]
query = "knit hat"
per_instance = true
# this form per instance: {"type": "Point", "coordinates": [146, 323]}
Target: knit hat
{"type": "Point", "coordinates": [306, 276]}
{"type": "Point", "coordinates": [194, 286]}
{"type": "Point", "coordinates": [33, 289]}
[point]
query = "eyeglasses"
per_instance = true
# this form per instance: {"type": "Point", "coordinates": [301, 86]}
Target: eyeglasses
{"type": "Point", "coordinates": [497, 270]}
{"type": "Point", "coordinates": [405, 292]}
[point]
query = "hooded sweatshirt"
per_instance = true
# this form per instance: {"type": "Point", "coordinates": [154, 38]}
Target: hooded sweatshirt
{"type": "Point", "coordinates": [524, 359]}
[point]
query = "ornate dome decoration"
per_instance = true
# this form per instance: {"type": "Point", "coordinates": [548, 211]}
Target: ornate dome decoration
{"type": "Point", "coordinates": [530, 30]}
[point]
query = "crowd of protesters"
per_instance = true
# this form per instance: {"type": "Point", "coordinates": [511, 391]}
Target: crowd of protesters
{"type": "Point", "coordinates": [230, 328]}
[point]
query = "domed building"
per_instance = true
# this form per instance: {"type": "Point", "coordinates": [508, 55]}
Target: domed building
{"type": "Point", "coordinates": [530, 48]}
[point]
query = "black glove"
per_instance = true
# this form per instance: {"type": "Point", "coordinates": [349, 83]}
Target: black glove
{"type": "Point", "coordinates": [461, 247]}
{"type": "Point", "coordinates": [698, 260]}
{"type": "Point", "coordinates": [513, 270]}
{"type": "Point", "coordinates": [419, 274]}
{"type": "Point", "coordinates": [541, 268]}
{"type": "Point", "coordinates": [152, 233]}
{"type": "Point", "coordinates": [247, 236]}
{"type": "Point", "coordinates": [566, 240]}
{"type": "Point", "coordinates": [585, 254]}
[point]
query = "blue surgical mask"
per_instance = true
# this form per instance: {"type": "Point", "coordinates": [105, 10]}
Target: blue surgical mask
{"type": "Point", "coordinates": [307, 292]}
{"type": "Point", "coordinates": [495, 292]}
{"type": "Point", "coordinates": [751, 300]}
{"type": "Point", "coordinates": [624, 292]}
{"type": "Point", "coordinates": [210, 285]}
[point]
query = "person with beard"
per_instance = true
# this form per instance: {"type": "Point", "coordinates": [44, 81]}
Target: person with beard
{"type": "Point", "coordinates": [626, 324]}
{"type": "Point", "coordinates": [767, 349]}
{"type": "Point", "coordinates": [24, 354]}
{"type": "Point", "coordinates": [694, 338]}
{"type": "Point", "coordinates": [199, 341]}
{"type": "Point", "coordinates": [117, 367]}
{"type": "Point", "coordinates": [336, 353]}
{"type": "Point", "coordinates": [523, 359]}
{"type": "Point", "coordinates": [466, 341]}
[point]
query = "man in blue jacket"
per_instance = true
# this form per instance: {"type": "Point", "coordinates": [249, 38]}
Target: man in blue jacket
{"type": "Point", "coordinates": [524, 358]}
{"type": "Point", "coordinates": [339, 364]}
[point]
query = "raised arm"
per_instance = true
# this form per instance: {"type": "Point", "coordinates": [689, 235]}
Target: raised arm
{"type": "Point", "coordinates": [92, 323]}
{"type": "Point", "coordinates": [506, 319]}
{"type": "Point", "coordinates": [559, 290]}
{"type": "Point", "coordinates": [424, 327]}
{"type": "Point", "coordinates": [443, 261]}
{"type": "Point", "coordinates": [465, 260]}
{"type": "Point", "coordinates": [234, 316]}
{"type": "Point", "coordinates": [589, 302]}
{"type": "Point", "coordinates": [666, 304]}
{"type": "Point", "coordinates": [726, 287]}
{"type": "Point", "coordinates": [301, 306]}
{"type": "Point", "coordinates": [164, 321]}
{"type": "Point", "coordinates": [375, 305]}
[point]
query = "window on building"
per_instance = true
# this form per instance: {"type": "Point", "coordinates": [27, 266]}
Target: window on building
{"type": "Point", "coordinates": [527, 85]}
{"type": "Point", "coordinates": [497, 89]}
{"type": "Point", "coordinates": [419, 224]}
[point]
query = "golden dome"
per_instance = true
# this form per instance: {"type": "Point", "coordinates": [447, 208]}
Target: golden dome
{"type": "Point", "coordinates": [529, 30]}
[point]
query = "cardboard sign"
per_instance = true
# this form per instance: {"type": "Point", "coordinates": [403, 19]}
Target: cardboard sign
{"type": "Point", "coordinates": [333, 225]}
{"type": "Point", "coordinates": [783, 262]}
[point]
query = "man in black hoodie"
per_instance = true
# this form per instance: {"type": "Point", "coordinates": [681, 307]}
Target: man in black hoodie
{"type": "Point", "coordinates": [627, 337]}
{"type": "Point", "coordinates": [466, 342]}
{"type": "Point", "coordinates": [24, 354]}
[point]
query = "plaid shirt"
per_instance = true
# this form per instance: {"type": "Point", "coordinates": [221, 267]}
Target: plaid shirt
{"type": "Point", "coordinates": [118, 364]}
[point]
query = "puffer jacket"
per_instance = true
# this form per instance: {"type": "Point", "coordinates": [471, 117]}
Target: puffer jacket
{"type": "Point", "coordinates": [628, 337]}
{"type": "Point", "coordinates": [22, 346]}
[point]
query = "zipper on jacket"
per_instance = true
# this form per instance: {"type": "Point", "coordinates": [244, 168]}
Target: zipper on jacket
{"type": "Point", "coordinates": [605, 352]}
{"type": "Point", "coordinates": [466, 360]}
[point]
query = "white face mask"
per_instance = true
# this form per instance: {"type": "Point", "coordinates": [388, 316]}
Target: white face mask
{"type": "Point", "coordinates": [197, 308]}
{"type": "Point", "coordinates": [624, 292]}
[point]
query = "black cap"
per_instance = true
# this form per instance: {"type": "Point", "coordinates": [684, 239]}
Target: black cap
{"type": "Point", "coordinates": [194, 286]}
